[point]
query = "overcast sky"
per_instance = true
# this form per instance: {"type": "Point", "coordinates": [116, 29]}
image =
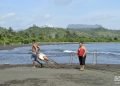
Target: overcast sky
{"type": "Point", "coordinates": [21, 14]}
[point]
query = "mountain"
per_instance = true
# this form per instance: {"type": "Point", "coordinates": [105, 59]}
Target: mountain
{"type": "Point", "coordinates": [84, 26]}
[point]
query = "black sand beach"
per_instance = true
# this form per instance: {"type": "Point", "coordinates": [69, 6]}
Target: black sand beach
{"type": "Point", "coordinates": [60, 75]}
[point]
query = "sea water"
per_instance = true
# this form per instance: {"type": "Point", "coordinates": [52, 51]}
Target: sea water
{"type": "Point", "coordinates": [97, 53]}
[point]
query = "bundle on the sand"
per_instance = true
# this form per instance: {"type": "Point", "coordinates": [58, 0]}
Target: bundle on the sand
{"type": "Point", "coordinates": [47, 60]}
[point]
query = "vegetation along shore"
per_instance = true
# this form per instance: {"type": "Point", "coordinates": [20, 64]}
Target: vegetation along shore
{"type": "Point", "coordinates": [53, 34]}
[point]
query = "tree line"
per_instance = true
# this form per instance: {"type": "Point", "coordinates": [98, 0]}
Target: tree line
{"type": "Point", "coordinates": [52, 34]}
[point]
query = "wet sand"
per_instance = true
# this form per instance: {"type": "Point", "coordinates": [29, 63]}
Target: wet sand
{"type": "Point", "coordinates": [59, 75]}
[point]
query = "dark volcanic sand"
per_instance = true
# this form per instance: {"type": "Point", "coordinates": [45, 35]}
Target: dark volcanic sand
{"type": "Point", "coordinates": [59, 75]}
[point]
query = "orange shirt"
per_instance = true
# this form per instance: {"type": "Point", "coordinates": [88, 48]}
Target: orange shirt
{"type": "Point", "coordinates": [81, 52]}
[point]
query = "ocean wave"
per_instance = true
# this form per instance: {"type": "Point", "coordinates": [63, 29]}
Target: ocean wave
{"type": "Point", "coordinates": [69, 51]}
{"type": "Point", "coordinates": [109, 53]}
{"type": "Point", "coordinates": [95, 52]}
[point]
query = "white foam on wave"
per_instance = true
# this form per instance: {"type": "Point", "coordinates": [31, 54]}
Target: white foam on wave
{"type": "Point", "coordinates": [69, 51]}
{"type": "Point", "coordinates": [109, 53]}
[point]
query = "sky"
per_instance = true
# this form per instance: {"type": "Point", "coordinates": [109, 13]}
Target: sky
{"type": "Point", "coordinates": [21, 14]}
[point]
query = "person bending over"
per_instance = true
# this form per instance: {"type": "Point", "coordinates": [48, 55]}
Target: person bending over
{"type": "Point", "coordinates": [35, 53]}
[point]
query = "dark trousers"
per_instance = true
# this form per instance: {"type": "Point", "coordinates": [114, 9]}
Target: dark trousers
{"type": "Point", "coordinates": [34, 57]}
{"type": "Point", "coordinates": [82, 60]}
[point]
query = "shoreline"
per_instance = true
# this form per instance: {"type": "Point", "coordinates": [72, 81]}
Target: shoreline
{"type": "Point", "coordinates": [8, 47]}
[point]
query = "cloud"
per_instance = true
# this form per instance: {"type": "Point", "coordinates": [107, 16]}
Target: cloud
{"type": "Point", "coordinates": [100, 16]}
{"type": "Point", "coordinates": [47, 16]}
{"type": "Point", "coordinates": [62, 2]}
{"type": "Point", "coordinates": [7, 20]}
{"type": "Point", "coordinates": [8, 15]}
{"type": "Point", "coordinates": [109, 19]}
{"type": "Point", "coordinates": [38, 19]}
{"type": "Point", "coordinates": [24, 21]}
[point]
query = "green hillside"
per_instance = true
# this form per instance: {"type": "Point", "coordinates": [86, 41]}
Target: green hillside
{"type": "Point", "coordinates": [53, 34]}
